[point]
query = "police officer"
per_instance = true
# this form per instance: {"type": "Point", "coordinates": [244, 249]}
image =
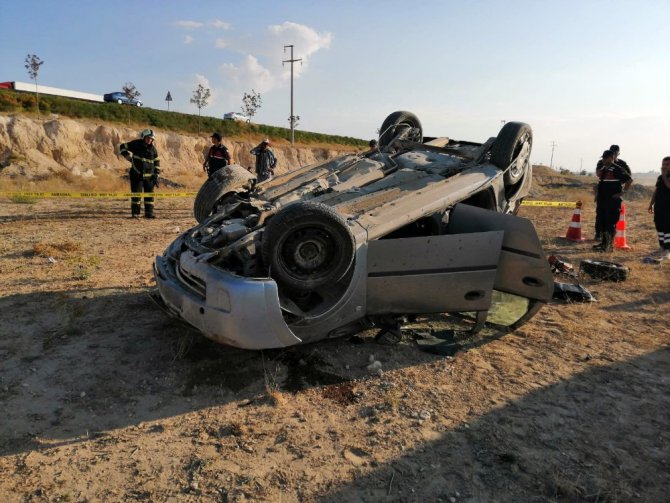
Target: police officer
{"type": "Point", "coordinates": [614, 181]}
{"type": "Point", "coordinates": [217, 157]}
{"type": "Point", "coordinates": [143, 172]}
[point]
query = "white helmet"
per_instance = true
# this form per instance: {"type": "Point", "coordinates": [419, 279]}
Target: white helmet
{"type": "Point", "coordinates": [147, 133]}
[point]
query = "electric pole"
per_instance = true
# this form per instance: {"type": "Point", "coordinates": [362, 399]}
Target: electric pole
{"type": "Point", "coordinates": [292, 117]}
{"type": "Point", "coordinates": [551, 162]}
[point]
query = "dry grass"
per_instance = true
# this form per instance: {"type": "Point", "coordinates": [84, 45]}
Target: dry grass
{"type": "Point", "coordinates": [56, 250]}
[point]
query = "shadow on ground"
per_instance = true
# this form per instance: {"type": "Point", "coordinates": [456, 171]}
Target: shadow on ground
{"type": "Point", "coordinates": [602, 435]}
{"type": "Point", "coordinates": [81, 362]}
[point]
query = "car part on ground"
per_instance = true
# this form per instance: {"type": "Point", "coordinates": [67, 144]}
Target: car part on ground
{"type": "Point", "coordinates": [569, 292]}
{"type": "Point", "coordinates": [421, 225]}
{"type": "Point", "coordinates": [608, 271]}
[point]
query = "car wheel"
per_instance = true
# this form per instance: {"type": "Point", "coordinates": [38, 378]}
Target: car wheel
{"type": "Point", "coordinates": [228, 179]}
{"type": "Point", "coordinates": [120, 102]}
{"type": "Point", "coordinates": [307, 245]}
{"type": "Point", "coordinates": [397, 121]}
{"type": "Point", "coordinates": [511, 151]}
{"type": "Point", "coordinates": [600, 269]}
{"type": "Point", "coordinates": [138, 104]}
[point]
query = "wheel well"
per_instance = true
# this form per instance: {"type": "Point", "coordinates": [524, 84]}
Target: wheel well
{"type": "Point", "coordinates": [483, 199]}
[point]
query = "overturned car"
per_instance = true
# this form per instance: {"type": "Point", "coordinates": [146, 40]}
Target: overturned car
{"type": "Point", "coordinates": [417, 225]}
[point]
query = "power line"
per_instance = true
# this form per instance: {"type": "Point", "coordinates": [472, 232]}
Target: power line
{"type": "Point", "coordinates": [292, 117]}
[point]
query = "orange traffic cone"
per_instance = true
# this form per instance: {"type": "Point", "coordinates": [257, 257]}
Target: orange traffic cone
{"type": "Point", "coordinates": [575, 230]}
{"type": "Point", "coordinates": [620, 236]}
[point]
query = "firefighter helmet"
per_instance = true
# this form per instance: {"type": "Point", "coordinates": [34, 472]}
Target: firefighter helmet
{"type": "Point", "coordinates": [147, 133]}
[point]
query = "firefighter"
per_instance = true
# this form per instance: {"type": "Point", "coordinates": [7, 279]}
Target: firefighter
{"type": "Point", "coordinates": [217, 157]}
{"type": "Point", "coordinates": [144, 170]}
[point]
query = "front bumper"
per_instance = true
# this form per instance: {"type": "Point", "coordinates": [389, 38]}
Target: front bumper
{"type": "Point", "coordinates": [226, 308]}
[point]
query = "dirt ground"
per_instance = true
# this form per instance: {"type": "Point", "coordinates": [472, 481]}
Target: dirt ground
{"type": "Point", "coordinates": [104, 398]}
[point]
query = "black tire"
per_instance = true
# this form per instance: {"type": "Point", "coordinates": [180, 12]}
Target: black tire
{"type": "Point", "coordinates": [307, 245]}
{"type": "Point", "coordinates": [229, 179]}
{"type": "Point", "coordinates": [600, 269]}
{"type": "Point", "coordinates": [394, 122]}
{"type": "Point", "coordinates": [511, 151]}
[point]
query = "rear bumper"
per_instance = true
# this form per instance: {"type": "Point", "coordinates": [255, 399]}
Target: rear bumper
{"type": "Point", "coordinates": [228, 309]}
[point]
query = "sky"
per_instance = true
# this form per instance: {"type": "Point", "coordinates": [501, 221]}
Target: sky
{"type": "Point", "coordinates": [584, 74]}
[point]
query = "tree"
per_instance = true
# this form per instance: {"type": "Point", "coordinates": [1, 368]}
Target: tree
{"type": "Point", "coordinates": [130, 91]}
{"type": "Point", "coordinates": [251, 103]}
{"type": "Point", "coordinates": [294, 120]}
{"type": "Point", "coordinates": [33, 63]}
{"type": "Point", "coordinates": [200, 99]}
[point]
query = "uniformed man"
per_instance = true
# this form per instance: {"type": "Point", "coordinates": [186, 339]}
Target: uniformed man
{"type": "Point", "coordinates": [614, 181]}
{"type": "Point", "coordinates": [144, 171]}
{"type": "Point", "coordinates": [217, 157]}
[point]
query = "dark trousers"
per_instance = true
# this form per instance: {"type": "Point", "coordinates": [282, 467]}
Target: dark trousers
{"type": "Point", "coordinates": [137, 185]}
{"type": "Point", "coordinates": [607, 215]}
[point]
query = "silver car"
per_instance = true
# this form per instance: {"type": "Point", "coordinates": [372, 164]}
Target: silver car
{"type": "Point", "coordinates": [415, 225]}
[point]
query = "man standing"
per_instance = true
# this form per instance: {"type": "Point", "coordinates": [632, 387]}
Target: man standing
{"type": "Point", "coordinates": [614, 181]}
{"type": "Point", "coordinates": [660, 207]}
{"type": "Point", "coordinates": [265, 161]}
{"type": "Point", "coordinates": [143, 172]}
{"type": "Point", "coordinates": [620, 162]}
{"type": "Point", "coordinates": [217, 157]}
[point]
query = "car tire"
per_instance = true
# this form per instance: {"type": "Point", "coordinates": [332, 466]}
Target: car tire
{"type": "Point", "coordinates": [120, 102]}
{"type": "Point", "coordinates": [392, 124]}
{"type": "Point", "coordinates": [308, 245]}
{"type": "Point", "coordinates": [228, 179]}
{"type": "Point", "coordinates": [511, 151]}
{"type": "Point", "coordinates": [600, 269]}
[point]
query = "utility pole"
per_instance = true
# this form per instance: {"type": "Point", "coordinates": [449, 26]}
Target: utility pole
{"type": "Point", "coordinates": [292, 117]}
{"type": "Point", "coordinates": [551, 162]}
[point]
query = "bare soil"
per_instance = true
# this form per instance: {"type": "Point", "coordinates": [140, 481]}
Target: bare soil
{"type": "Point", "coordinates": [104, 398]}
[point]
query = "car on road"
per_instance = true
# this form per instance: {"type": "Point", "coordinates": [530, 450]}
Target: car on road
{"type": "Point", "coordinates": [417, 225]}
{"type": "Point", "coordinates": [235, 116]}
{"type": "Point", "coordinates": [121, 98]}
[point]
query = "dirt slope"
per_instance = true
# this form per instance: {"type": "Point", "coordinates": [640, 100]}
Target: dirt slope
{"type": "Point", "coordinates": [34, 149]}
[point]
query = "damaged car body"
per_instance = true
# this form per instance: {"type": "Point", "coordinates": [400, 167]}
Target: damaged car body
{"type": "Point", "coordinates": [418, 225]}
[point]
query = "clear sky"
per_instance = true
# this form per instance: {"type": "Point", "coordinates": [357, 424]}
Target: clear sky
{"type": "Point", "coordinates": [584, 74]}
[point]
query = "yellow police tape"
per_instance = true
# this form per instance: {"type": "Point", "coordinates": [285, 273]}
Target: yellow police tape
{"type": "Point", "coordinates": [108, 195]}
{"type": "Point", "coordinates": [117, 195]}
{"type": "Point", "coordinates": [556, 204]}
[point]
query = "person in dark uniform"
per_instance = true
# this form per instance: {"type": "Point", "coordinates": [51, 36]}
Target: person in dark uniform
{"type": "Point", "coordinates": [144, 171]}
{"type": "Point", "coordinates": [660, 207]}
{"type": "Point", "coordinates": [620, 162]}
{"type": "Point", "coordinates": [218, 156]}
{"type": "Point", "coordinates": [614, 181]}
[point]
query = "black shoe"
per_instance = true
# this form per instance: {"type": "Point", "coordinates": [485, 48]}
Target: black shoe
{"type": "Point", "coordinates": [150, 216]}
{"type": "Point", "coordinates": [135, 215]}
{"type": "Point", "coordinates": [598, 247]}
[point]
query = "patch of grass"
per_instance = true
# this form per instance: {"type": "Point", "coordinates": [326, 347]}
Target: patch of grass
{"type": "Point", "coordinates": [84, 267]}
{"type": "Point", "coordinates": [56, 250]}
{"type": "Point", "coordinates": [18, 102]}
{"type": "Point", "coordinates": [393, 398]}
{"type": "Point", "coordinates": [22, 199]}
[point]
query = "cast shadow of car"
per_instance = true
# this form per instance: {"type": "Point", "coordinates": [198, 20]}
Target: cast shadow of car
{"type": "Point", "coordinates": [81, 362]}
{"type": "Point", "coordinates": [600, 435]}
